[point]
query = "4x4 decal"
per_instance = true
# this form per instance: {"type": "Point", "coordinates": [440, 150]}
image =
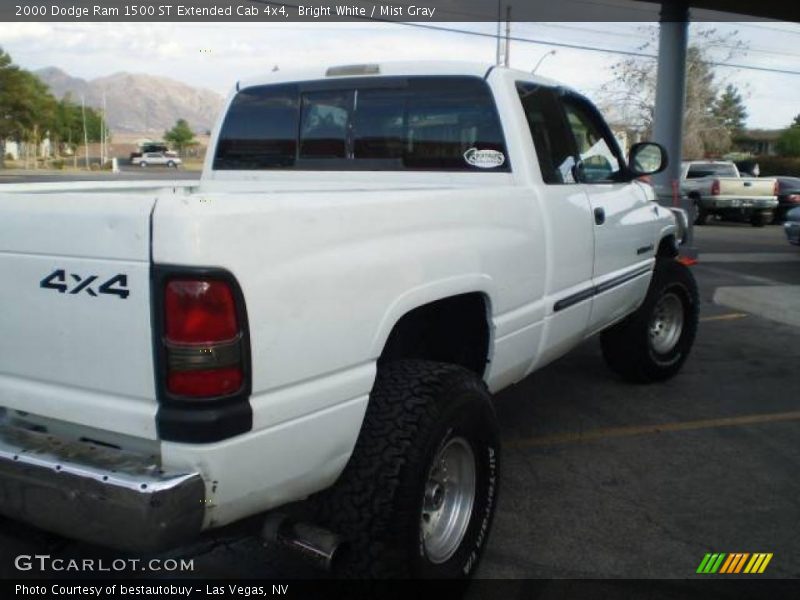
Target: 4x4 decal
{"type": "Point", "coordinates": [57, 280]}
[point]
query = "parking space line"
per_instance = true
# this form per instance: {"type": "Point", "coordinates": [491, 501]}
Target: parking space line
{"type": "Point", "coordinates": [617, 432]}
{"type": "Point", "coordinates": [725, 317]}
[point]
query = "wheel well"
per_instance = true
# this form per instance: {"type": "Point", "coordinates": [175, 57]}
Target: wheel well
{"type": "Point", "coordinates": [453, 330]}
{"type": "Point", "coordinates": [667, 248]}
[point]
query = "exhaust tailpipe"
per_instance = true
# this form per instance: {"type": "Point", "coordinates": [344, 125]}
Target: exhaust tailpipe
{"type": "Point", "coordinates": [314, 544]}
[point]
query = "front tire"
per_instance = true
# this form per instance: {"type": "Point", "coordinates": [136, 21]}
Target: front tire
{"type": "Point", "coordinates": [418, 496]}
{"type": "Point", "coordinates": [653, 343]}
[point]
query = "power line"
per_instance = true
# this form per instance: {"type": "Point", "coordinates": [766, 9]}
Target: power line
{"type": "Point", "coordinates": [589, 48]}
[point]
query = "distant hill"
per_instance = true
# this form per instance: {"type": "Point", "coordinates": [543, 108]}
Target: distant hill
{"type": "Point", "coordinates": [136, 102]}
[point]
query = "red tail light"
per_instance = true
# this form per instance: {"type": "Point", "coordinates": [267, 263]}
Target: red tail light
{"type": "Point", "coordinates": [202, 338]}
{"type": "Point", "coordinates": [776, 188]}
{"type": "Point", "coordinates": [715, 187]}
{"type": "Point", "coordinates": [199, 312]}
{"type": "Point", "coordinates": [793, 198]}
{"type": "Point", "coordinates": [205, 383]}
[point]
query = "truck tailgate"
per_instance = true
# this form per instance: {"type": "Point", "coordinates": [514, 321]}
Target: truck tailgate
{"type": "Point", "coordinates": [75, 308]}
{"type": "Point", "coordinates": [746, 187]}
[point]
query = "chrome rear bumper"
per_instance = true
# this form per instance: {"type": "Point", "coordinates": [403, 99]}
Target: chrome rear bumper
{"type": "Point", "coordinates": [97, 494]}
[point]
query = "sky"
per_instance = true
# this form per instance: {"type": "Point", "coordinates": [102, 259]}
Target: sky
{"type": "Point", "coordinates": [215, 56]}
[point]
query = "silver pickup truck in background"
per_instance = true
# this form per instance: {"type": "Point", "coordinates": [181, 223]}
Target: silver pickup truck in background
{"type": "Point", "coordinates": [718, 189]}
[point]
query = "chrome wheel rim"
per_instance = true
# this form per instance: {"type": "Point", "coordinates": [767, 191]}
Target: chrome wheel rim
{"type": "Point", "coordinates": [666, 324]}
{"type": "Point", "coordinates": [448, 500]}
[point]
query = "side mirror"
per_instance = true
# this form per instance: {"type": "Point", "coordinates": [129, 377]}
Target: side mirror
{"type": "Point", "coordinates": [647, 158]}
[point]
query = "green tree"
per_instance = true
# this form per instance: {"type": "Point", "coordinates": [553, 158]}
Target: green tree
{"type": "Point", "coordinates": [729, 110]}
{"type": "Point", "coordinates": [788, 143]}
{"type": "Point", "coordinates": [796, 122]}
{"type": "Point", "coordinates": [180, 136]}
{"type": "Point", "coordinates": [27, 108]}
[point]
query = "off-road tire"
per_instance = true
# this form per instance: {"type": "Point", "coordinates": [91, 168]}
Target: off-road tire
{"type": "Point", "coordinates": [415, 409]}
{"type": "Point", "coordinates": [628, 346]}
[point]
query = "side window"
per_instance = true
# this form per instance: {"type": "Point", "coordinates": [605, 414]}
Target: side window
{"type": "Point", "coordinates": [551, 138]}
{"type": "Point", "coordinates": [597, 150]}
{"type": "Point", "coordinates": [260, 129]}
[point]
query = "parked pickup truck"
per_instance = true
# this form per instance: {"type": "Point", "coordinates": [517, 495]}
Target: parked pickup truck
{"type": "Point", "coordinates": [319, 322]}
{"type": "Point", "coordinates": [718, 189]}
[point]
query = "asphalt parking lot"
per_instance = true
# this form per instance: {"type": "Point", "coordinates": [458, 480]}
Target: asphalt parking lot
{"type": "Point", "coordinates": [603, 479]}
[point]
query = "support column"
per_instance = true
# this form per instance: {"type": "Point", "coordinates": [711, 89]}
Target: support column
{"type": "Point", "coordinates": [671, 98]}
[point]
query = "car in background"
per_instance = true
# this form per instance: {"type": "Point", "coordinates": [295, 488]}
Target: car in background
{"type": "Point", "coordinates": [718, 190]}
{"type": "Point", "coordinates": [166, 159]}
{"type": "Point", "coordinates": [152, 147]}
{"type": "Point", "coordinates": [792, 226]}
{"type": "Point", "coordinates": [788, 196]}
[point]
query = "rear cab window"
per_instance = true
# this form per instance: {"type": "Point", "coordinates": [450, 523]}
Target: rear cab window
{"type": "Point", "coordinates": [385, 123]}
{"type": "Point", "coordinates": [698, 170]}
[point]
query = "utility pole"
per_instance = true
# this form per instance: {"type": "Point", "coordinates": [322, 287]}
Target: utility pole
{"type": "Point", "coordinates": [508, 36]}
{"type": "Point", "coordinates": [499, 23]}
{"type": "Point", "coordinates": [103, 132]}
{"type": "Point", "coordinates": [85, 135]}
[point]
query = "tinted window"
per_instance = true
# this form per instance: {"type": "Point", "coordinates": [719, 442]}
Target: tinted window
{"type": "Point", "coordinates": [442, 123]}
{"type": "Point", "coordinates": [698, 170]}
{"type": "Point", "coordinates": [324, 123]}
{"type": "Point", "coordinates": [548, 130]}
{"type": "Point", "coordinates": [260, 129]}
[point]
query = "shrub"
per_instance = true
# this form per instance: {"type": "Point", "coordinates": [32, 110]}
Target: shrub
{"type": "Point", "coordinates": [779, 165]}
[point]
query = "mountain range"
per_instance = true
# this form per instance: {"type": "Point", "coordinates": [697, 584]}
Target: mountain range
{"type": "Point", "coordinates": [136, 102]}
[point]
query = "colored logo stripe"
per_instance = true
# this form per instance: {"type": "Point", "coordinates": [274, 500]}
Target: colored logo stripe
{"type": "Point", "coordinates": [758, 563]}
{"type": "Point", "coordinates": [734, 562]}
{"type": "Point", "coordinates": [710, 563]}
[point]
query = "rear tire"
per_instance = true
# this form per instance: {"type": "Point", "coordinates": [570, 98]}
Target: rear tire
{"type": "Point", "coordinates": [653, 343]}
{"type": "Point", "coordinates": [418, 496]}
{"type": "Point", "coordinates": [143, 164]}
{"type": "Point", "coordinates": [760, 219]}
{"type": "Point", "coordinates": [702, 217]}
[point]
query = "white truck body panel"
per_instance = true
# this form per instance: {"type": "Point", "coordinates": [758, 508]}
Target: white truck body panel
{"type": "Point", "coordinates": [328, 263]}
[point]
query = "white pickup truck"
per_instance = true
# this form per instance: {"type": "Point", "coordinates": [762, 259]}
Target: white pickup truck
{"type": "Point", "coordinates": [718, 189]}
{"type": "Point", "coordinates": [371, 250]}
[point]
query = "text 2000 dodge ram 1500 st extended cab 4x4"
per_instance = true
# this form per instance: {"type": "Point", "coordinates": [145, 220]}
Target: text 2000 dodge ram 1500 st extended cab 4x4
{"type": "Point", "coordinates": [370, 252]}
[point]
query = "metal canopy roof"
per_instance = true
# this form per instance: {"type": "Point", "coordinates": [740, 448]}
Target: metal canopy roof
{"type": "Point", "coordinates": [782, 10]}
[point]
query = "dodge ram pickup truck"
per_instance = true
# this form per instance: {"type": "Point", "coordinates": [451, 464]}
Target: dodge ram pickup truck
{"type": "Point", "coordinates": [718, 189]}
{"type": "Point", "coordinates": [317, 324]}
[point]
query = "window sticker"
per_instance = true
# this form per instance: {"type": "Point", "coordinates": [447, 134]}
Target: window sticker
{"type": "Point", "coordinates": [484, 159]}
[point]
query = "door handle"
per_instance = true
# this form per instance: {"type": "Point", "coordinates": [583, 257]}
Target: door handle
{"type": "Point", "coordinates": [599, 216]}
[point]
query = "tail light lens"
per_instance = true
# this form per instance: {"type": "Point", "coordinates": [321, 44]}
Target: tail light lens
{"type": "Point", "coordinates": [715, 187]}
{"type": "Point", "coordinates": [776, 188]}
{"type": "Point", "coordinates": [202, 338]}
{"type": "Point", "coordinates": [794, 198]}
